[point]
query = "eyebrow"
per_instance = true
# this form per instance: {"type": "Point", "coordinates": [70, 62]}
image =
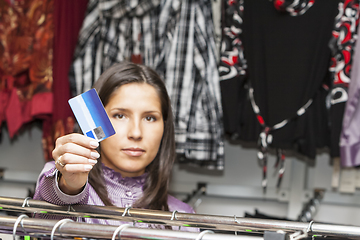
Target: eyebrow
{"type": "Point", "coordinates": [127, 110]}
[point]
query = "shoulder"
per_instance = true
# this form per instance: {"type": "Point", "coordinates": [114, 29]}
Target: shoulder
{"type": "Point", "coordinates": [180, 206]}
{"type": "Point", "coordinates": [49, 170]}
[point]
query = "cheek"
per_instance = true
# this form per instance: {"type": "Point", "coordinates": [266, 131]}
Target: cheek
{"type": "Point", "coordinates": [111, 143]}
{"type": "Point", "coordinates": [107, 144]}
{"type": "Point", "coordinates": [157, 134]}
{"type": "Point", "coordinates": [120, 128]}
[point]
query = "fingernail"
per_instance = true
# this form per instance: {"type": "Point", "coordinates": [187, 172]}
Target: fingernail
{"type": "Point", "coordinates": [92, 161]}
{"type": "Point", "coordinates": [94, 144]}
{"type": "Point", "coordinates": [87, 167]}
{"type": "Point", "coordinates": [95, 155]}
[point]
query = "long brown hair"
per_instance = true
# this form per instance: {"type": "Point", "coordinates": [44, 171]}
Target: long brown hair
{"type": "Point", "coordinates": [155, 190]}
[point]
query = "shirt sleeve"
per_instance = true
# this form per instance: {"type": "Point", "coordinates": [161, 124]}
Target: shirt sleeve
{"type": "Point", "coordinates": [177, 205]}
{"type": "Point", "coordinates": [47, 188]}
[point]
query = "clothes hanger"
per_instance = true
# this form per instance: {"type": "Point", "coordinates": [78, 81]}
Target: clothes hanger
{"type": "Point", "coordinates": [126, 211]}
{"type": "Point", "coordinates": [19, 220]}
{"type": "Point", "coordinates": [302, 234]}
{"type": "Point", "coordinates": [58, 225]}
{"type": "Point", "coordinates": [173, 216]}
{"type": "Point", "coordinates": [26, 203]}
{"type": "Point", "coordinates": [118, 231]}
{"type": "Point", "coordinates": [200, 236]}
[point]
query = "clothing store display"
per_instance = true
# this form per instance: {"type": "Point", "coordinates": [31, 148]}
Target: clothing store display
{"type": "Point", "coordinates": [281, 77]}
{"type": "Point", "coordinates": [26, 47]}
{"type": "Point", "coordinates": [260, 215]}
{"type": "Point", "coordinates": [293, 71]}
{"type": "Point", "coordinates": [123, 192]}
{"type": "Point", "coordinates": [287, 58]}
{"type": "Point", "coordinates": [342, 46]}
{"type": "Point", "coordinates": [113, 31]}
{"type": "Point", "coordinates": [232, 67]}
{"type": "Point", "coordinates": [350, 135]}
{"type": "Point", "coordinates": [188, 65]}
{"type": "Point", "coordinates": [177, 39]}
{"type": "Point", "coordinates": [68, 18]}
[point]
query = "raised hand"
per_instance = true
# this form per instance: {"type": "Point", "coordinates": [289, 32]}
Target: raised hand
{"type": "Point", "coordinates": [74, 156]}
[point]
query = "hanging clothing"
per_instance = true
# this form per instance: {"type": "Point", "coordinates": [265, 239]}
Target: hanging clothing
{"type": "Point", "coordinates": [293, 7]}
{"type": "Point", "coordinates": [122, 191]}
{"type": "Point", "coordinates": [216, 6]}
{"type": "Point", "coordinates": [113, 31]}
{"type": "Point", "coordinates": [350, 135]}
{"type": "Point", "coordinates": [287, 58]}
{"type": "Point", "coordinates": [188, 65]}
{"type": "Point", "coordinates": [68, 18]}
{"type": "Point", "coordinates": [174, 37]}
{"type": "Point", "coordinates": [233, 67]}
{"type": "Point", "coordinates": [26, 47]}
{"type": "Point", "coordinates": [342, 46]}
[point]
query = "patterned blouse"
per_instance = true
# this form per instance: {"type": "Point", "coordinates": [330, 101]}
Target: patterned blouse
{"type": "Point", "coordinates": [123, 192]}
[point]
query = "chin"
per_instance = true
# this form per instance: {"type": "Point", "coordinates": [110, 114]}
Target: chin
{"type": "Point", "coordinates": [131, 170]}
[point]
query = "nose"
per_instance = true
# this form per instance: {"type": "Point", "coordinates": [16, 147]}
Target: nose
{"type": "Point", "coordinates": [135, 130]}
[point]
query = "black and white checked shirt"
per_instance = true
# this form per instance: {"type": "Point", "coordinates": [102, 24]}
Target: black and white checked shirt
{"type": "Point", "coordinates": [176, 38]}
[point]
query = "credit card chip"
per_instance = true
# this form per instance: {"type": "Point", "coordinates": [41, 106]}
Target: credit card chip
{"type": "Point", "coordinates": [99, 133]}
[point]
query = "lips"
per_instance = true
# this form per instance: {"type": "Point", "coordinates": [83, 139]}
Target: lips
{"type": "Point", "coordinates": [133, 152]}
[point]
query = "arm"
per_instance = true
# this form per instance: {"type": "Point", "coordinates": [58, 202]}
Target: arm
{"type": "Point", "coordinates": [47, 188]}
{"type": "Point", "coordinates": [65, 181]}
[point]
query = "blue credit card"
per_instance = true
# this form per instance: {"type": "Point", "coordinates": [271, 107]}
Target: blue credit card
{"type": "Point", "coordinates": [91, 115]}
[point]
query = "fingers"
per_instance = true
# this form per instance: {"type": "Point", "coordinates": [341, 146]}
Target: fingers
{"type": "Point", "coordinates": [75, 153]}
{"type": "Point", "coordinates": [69, 158]}
{"type": "Point", "coordinates": [59, 162]}
{"type": "Point", "coordinates": [74, 164]}
{"type": "Point", "coordinates": [75, 149]}
{"type": "Point", "coordinates": [77, 168]}
{"type": "Point", "coordinates": [75, 144]}
{"type": "Point", "coordinates": [78, 139]}
{"type": "Point", "coordinates": [74, 156]}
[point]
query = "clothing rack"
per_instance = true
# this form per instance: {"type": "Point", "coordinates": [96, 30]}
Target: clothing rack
{"type": "Point", "coordinates": [66, 228]}
{"type": "Point", "coordinates": [311, 207]}
{"type": "Point", "coordinates": [210, 222]}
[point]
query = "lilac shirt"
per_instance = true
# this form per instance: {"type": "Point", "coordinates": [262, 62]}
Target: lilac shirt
{"type": "Point", "coordinates": [350, 135]}
{"type": "Point", "coordinates": [123, 192]}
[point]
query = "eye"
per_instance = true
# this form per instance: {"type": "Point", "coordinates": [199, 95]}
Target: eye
{"type": "Point", "coordinates": [119, 116]}
{"type": "Point", "coordinates": [150, 119]}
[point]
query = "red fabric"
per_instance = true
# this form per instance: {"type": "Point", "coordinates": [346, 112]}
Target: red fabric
{"type": "Point", "coordinates": [26, 41]}
{"type": "Point", "coordinates": [3, 102]}
{"type": "Point", "coordinates": [13, 113]}
{"type": "Point", "coordinates": [42, 103]}
{"type": "Point", "coordinates": [260, 119]}
{"type": "Point", "coordinates": [68, 18]}
{"type": "Point", "coordinates": [278, 4]}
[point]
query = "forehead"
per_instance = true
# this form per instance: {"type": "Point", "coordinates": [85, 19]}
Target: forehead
{"type": "Point", "coordinates": [132, 94]}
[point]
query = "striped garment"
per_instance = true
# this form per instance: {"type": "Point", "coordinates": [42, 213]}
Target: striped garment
{"type": "Point", "coordinates": [188, 64]}
{"type": "Point", "coordinates": [177, 39]}
{"type": "Point", "coordinates": [110, 33]}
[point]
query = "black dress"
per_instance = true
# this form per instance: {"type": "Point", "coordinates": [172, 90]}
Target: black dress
{"type": "Point", "coordinates": [288, 61]}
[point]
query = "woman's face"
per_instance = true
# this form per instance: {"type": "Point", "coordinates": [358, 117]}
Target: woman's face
{"type": "Point", "coordinates": [135, 112]}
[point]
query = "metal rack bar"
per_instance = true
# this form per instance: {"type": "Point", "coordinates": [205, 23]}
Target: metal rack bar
{"type": "Point", "coordinates": [44, 228]}
{"type": "Point", "coordinates": [190, 220]}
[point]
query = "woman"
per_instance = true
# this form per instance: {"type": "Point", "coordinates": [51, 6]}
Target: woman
{"type": "Point", "coordinates": [134, 165]}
